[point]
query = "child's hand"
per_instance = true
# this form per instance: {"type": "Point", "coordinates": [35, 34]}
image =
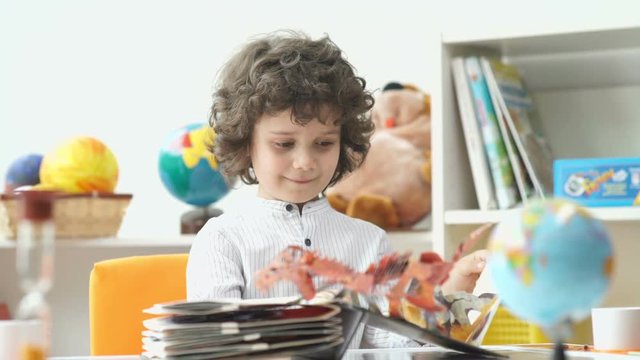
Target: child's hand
{"type": "Point", "coordinates": [466, 272]}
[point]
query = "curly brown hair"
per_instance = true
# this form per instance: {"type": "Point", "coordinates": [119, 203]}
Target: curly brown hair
{"type": "Point", "coordinates": [288, 70]}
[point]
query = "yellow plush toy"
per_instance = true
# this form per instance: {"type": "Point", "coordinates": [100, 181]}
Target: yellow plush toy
{"type": "Point", "coordinates": [392, 188]}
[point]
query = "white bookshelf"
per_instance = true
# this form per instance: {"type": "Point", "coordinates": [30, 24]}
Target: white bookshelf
{"type": "Point", "coordinates": [607, 214]}
{"type": "Point", "coordinates": [586, 87]}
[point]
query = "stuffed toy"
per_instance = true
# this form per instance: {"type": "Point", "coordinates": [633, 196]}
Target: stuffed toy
{"type": "Point", "coordinates": [392, 188]}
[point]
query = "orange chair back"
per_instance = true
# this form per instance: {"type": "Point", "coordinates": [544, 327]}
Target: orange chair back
{"type": "Point", "coordinates": [119, 289]}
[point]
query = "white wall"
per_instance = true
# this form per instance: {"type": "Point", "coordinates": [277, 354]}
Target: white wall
{"type": "Point", "coordinates": [129, 72]}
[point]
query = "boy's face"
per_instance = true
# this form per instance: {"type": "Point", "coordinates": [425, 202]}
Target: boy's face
{"type": "Point", "coordinates": [293, 163]}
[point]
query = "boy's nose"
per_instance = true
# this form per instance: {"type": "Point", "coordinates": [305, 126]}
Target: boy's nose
{"type": "Point", "coordinates": [303, 161]}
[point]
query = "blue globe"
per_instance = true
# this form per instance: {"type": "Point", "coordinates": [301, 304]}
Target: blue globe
{"type": "Point", "coordinates": [24, 170]}
{"type": "Point", "coordinates": [188, 170]}
{"type": "Point", "coordinates": [551, 262]}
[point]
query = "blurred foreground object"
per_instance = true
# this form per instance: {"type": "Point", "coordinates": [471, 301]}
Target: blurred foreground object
{"type": "Point", "coordinates": [551, 263]}
{"type": "Point", "coordinates": [80, 165]}
{"type": "Point", "coordinates": [4, 312]}
{"type": "Point", "coordinates": [190, 172]}
{"type": "Point", "coordinates": [412, 288]}
{"type": "Point", "coordinates": [34, 264]}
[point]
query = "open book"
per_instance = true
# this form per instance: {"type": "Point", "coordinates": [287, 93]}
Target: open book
{"type": "Point", "coordinates": [283, 326]}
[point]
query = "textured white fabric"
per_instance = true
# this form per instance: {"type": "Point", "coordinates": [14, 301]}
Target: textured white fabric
{"type": "Point", "coordinates": [230, 248]}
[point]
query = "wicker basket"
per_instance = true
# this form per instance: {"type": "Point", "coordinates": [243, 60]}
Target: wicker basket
{"type": "Point", "coordinates": [76, 216]}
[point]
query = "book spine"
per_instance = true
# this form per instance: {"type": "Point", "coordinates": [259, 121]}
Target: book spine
{"type": "Point", "coordinates": [499, 164]}
{"type": "Point", "coordinates": [475, 146]}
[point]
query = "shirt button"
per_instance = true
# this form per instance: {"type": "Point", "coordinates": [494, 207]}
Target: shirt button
{"type": "Point", "coordinates": [289, 207]}
{"type": "Point", "coordinates": [307, 242]}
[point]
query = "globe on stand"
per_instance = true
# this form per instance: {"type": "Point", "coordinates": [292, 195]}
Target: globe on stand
{"type": "Point", "coordinates": [551, 263]}
{"type": "Point", "coordinates": [191, 174]}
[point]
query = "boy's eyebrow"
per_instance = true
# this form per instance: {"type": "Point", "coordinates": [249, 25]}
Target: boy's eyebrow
{"type": "Point", "coordinates": [332, 132]}
{"type": "Point", "coordinates": [284, 132]}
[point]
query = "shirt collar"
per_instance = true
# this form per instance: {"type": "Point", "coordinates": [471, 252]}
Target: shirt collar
{"type": "Point", "coordinates": [278, 206]}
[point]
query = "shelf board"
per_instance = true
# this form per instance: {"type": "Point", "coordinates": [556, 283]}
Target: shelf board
{"type": "Point", "coordinates": [113, 242]}
{"type": "Point", "coordinates": [399, 239]}
{"type": "Point", "coordinates": [610, 214]}
{"type": "Point", "coordinates": [573, 60]}
{"type": "Point", "coordinates": [579, 70]}
{"type": "Point", "coordinates": [521, 43]}
{"type": "Point", "coordinates": [410, 240]}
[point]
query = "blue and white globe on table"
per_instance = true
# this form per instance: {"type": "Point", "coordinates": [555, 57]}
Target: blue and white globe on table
{"type": "Point", "coordinates": [551, 262]}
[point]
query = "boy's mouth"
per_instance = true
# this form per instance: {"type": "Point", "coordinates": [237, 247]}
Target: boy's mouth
{"type": "Point", "coordinates": [300, 181]}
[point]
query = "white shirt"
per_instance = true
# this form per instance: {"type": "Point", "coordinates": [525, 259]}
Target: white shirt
{"type": "Point", "coordinates": [229, 249]}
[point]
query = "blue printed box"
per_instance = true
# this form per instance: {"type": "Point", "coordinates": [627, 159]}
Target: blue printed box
{"type": "Point", "coordinates": [599, 181]}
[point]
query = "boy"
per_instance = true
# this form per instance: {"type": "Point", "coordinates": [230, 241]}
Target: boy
{"type": "Point", "coordinates": [291, 116]}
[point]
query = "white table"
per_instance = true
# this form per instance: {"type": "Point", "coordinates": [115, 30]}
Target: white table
{"type": "Point", "coordinates": [515, 353]}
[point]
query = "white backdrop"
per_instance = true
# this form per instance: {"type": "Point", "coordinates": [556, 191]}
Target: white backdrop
{"type": "Point", "coordinates": [129, 72]}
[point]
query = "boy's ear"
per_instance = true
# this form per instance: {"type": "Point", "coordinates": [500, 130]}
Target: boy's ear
{"type": "Point", "coordinates": [247, 156]}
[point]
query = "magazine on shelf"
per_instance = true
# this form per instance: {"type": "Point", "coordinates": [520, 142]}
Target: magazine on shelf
{"type": "Point", "coordinates": [475, 146]}
{"type": "Point", "coordinates": [517, 106]}
{"type": "Point", "coordinates": [523, 181]}
{"type": "Point", "coordinates": [501, 172]}
{"type": "Point", "coordinates": [201, 330]}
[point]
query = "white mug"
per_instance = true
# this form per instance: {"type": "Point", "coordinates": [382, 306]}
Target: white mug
{"type": "Point", "coordinates": [616, 328]}
{"type": "Point", "coordinates": [15, 334]}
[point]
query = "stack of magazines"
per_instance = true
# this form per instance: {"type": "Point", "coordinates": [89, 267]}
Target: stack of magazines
{"type": "Point", "coordinates": [211, 329]}
{"type": "Point", "coordinates": [282, 327]}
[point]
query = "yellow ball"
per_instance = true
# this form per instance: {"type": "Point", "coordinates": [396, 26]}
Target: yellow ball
{"type": "Point", "coordinates": [82, 164]}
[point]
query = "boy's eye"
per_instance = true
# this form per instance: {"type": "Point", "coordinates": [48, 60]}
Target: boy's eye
{"type": "Point", "coordinates": [284, 144]}
{"type": "Point", "coordinates": [325, 143]}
